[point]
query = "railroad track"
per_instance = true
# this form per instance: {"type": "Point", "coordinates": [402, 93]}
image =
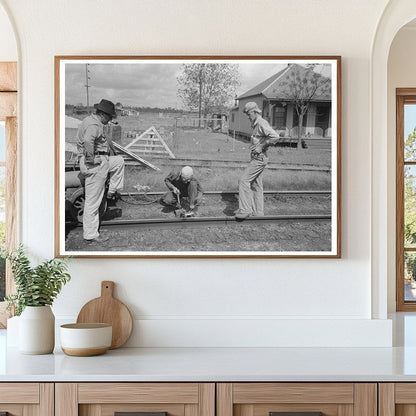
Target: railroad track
{"type": "Point", "coordinates": [271, 192]}
{"type": "Point", "coordinates": [153, 197]}
{"type": "Point", "coordinates": [198, 221]}
{"type": "Point", "coordinates": [146, 198]}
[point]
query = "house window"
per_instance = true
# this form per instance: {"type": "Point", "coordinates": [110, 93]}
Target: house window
{"type": "Point", "coordinates": [322, 116]}
{"type": "Point", "coordinates": [406, 199]}
{"type": "Point", "coordinates": [279, 117]}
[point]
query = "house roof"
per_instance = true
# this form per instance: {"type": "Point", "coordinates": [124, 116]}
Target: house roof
{"type": "Point", "coordinates": [278, 85]}
{"type": "Point", "coordinates": [258, 89]}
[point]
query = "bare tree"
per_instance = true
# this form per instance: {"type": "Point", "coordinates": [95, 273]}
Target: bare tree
{"type": "Point", "coordinates": [304, 85]}
{"type": "Point", "coordinates": [207, 87]}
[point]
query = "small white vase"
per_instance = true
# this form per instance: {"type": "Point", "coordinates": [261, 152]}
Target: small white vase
{"type": "Point", "coordinates": [37, 330]}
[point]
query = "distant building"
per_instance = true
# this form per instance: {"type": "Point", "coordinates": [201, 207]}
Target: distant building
{"type": "Point", "coordinates": [125, 111]}
{"type": "Point", "coordinates": [272, 97]}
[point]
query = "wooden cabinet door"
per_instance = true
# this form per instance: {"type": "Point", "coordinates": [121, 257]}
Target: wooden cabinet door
{"type": "Point", "coordinates": [143, 399]}
{"type": "Point", "coordinates": [397, 399]}
{"type": "Point", "coordinates": [297, 399]}
{"type": "Point", "coordinates": [26, 399]}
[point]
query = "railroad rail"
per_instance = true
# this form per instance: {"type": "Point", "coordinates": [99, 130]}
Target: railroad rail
{"type": "Point", "coordinates": [271, 192]}
{"type": "Point", "coordinates": [198, 221]}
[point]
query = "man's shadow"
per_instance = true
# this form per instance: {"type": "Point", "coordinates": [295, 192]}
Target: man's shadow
{"type": "Point", "coordinates": [231, 204]}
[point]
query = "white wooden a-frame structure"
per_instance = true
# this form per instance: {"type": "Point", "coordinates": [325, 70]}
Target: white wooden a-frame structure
{"type": "Point", "coordinates": [150, 142]}
{"type": "Point", "coordinates": [131, 156]}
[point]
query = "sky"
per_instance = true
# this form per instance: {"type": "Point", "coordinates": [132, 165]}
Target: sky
{"type": "Point", "coordinates": [140, 83]}
{"type": "Point", "coordinates": [409, 119]}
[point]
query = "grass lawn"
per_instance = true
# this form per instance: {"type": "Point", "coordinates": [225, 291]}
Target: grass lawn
{"type": "Point", "coordinates": [204, 145]}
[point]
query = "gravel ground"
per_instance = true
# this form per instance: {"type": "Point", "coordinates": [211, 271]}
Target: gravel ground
{"type": "Point", "coordinates": [281, 236]}
{"type": "Point", "coordinates": [218, 206]}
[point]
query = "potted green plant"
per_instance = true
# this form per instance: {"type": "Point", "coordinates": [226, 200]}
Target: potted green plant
{"type": "Point", "coordinates": [36, 289]}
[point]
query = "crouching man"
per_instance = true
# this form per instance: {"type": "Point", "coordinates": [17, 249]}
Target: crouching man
{"type": "Point", "coordinates": [182, 184]}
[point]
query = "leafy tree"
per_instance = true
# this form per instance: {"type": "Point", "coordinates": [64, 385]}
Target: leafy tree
{"type": "Point", "coordinates": [207, 87]}
{"type": "Point", "coordinates": [410, 146]}
{"type": "Point", "coordinates": [410, 203]}
{"type": "Point", "coordinates": [301, 87]}
{"type": "Point", "coordinates": [410, 191]}
{"type": "Point", "coordinates": [410, 207]}
{"type": "Point", "coordinates": [410, 269]}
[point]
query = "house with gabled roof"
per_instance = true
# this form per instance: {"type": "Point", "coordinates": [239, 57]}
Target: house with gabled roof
{"type": "Point", "coordinates": [276, 98]}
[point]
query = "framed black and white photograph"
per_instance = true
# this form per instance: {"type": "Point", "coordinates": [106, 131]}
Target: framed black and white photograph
{"type": "Point", "coordinates": [198, 156]}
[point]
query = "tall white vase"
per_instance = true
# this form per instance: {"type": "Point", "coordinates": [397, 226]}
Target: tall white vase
{"type": "Point", "coordinates": [37, 330]}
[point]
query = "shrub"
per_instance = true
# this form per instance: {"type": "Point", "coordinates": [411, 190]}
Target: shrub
{"type": "Point", "coordinates": [35, 286]}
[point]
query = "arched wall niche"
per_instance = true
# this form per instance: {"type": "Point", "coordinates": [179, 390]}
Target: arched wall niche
{"type": "Point", "coordinates": [9, 43]}
{"type": "Point", "coordinates": [396, 15]}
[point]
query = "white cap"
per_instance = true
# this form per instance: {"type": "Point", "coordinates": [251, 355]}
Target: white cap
{"type": "Point", "coordinates": [187, 172]}
{"type": "Point", "coordinates": [251, 105]}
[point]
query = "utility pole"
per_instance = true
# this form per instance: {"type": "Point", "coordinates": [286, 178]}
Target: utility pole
{"type": "Point", "coordinates": [87, 78]}
{"type": "Point", "coordinates": [201, 83]}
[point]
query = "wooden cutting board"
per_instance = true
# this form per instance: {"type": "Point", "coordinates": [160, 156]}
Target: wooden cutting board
{"type": "Point", "coordinates": [108, 310]}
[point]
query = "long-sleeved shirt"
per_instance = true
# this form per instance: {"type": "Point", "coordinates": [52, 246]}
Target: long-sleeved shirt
{"type": "Point", "coordinates": [263, 134]}
{"type": "Point", "coordinates": [174, 179]}
{"type": "Point", "coordinates": [91, 139]}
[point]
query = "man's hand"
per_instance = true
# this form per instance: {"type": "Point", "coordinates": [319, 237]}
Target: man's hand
{"type": "Point", "coordinates": [97, 159]}
{"type": "Point", "coordinates": [259, 148]}
{"type": "Point", "coordinates": [176, 191]}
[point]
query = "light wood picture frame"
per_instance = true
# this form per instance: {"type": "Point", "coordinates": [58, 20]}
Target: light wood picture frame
{"type": "Point", "coordinates": [217, 117]}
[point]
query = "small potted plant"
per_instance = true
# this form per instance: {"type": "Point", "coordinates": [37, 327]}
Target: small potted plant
{"type": "Point", "coordinates": [36, 289]}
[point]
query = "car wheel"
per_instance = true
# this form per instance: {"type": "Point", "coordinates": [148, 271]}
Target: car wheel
{"type": "Point", "coordinates": [77, 200]}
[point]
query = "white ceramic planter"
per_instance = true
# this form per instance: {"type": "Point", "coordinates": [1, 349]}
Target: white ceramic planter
{"type": "Point", "coordinates": [37, 330]}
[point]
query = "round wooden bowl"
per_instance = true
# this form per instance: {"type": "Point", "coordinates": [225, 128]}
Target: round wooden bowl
{"type": "Point", "coordinates": [84, 340]}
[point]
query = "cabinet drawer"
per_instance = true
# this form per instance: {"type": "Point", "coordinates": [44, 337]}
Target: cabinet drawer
{"type": "Point", "coordinates": [147, 399]}
{"type": "Point", "coordinates": [397, 399]}
{"type": "Point", "coordinates": [309, 399]}
{"type": "Point", "coordinates": [138, 393]}
{"type": "Point", "coordinates": [21, 399]}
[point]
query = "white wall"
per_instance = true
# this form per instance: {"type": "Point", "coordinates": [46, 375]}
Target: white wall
{"type": "Point", "coordinates": [213, 301]}
{"type": "Point", "coordinates": [8, 46]}
{"type": "Point", "coordinates": [401, 74]}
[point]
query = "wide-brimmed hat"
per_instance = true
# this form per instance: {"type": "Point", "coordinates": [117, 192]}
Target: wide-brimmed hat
{"type": "Point", "coordinates": [251, 105]}
{"type": "Point", "coordinates": [106, 107]}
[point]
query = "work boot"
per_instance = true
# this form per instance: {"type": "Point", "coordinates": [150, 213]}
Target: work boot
{"type": "Point", "coordinates": [241, 215]}
{"type": "Point", "coordinates": [100, 239]}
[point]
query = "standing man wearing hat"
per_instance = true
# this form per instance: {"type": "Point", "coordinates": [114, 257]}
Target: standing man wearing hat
{"type": "Point", "coordinates": [182, 184]}
{"type": "Point", "coordinates": [97, 161]}
{"type": "Point", "coordinates": [250, 190]}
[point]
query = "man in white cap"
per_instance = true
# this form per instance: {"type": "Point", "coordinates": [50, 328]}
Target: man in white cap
{"type": "Point", "coordinates": [97, 162]}
{"type": "Point", "coordinates": [250, 189]}
{"type": "Point", "coordinates": [182, 184]}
